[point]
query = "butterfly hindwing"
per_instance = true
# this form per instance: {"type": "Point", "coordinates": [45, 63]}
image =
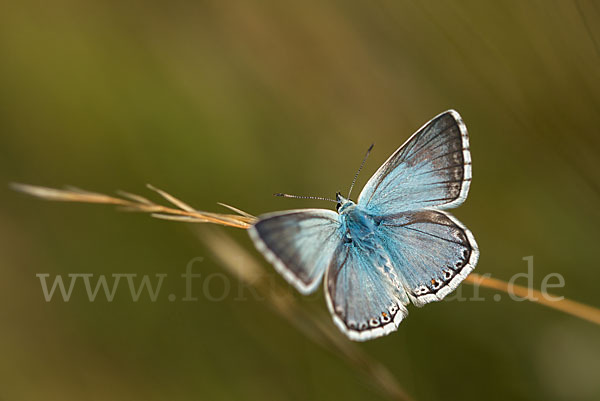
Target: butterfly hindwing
{"type": "Point", "coordinates": [299, 243]}
{"type": "Point", "coordinates": [431, 251]}
{"type": "Point", "coordinates": [366, 301]}
{"type": "Point", "coordinates": [431, 169]}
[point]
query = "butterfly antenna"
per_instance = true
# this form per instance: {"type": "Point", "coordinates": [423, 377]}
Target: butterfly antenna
{"type": "Point", "coordinates": [360, 168]}
{"type": "Point", "coordinates": [304, 197]}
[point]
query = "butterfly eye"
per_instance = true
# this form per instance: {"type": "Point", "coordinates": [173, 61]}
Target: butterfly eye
{"type": "Point", "coordinates": [337, 207]}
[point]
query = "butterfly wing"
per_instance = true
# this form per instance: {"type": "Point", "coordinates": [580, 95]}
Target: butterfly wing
{"type": "Point", "coordinates": [364, 297]}
{"type": "Point", "coordinates": [431, 169]}
{"type": "Point", "coordinates": [430, 250]}
{"type": "Point", "coordinates": [299, 243]}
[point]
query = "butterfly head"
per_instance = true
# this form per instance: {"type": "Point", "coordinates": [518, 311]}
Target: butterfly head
{"type": "Point", "coordinates": [342, 203]}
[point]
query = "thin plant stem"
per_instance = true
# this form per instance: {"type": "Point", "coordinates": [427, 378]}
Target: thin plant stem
{"type": "Point", "coordinates": [573, 308]}
{"type": "Point", "coordinates": [184, 212]}
{"type": "Point", "coordinates": [135, 203]}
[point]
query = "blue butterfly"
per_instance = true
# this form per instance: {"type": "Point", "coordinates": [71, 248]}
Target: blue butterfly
{"type": "Point", "coordinates": [395, 245]}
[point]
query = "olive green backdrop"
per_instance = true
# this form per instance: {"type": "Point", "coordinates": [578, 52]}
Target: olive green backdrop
{"type": "Point", "coordinates": [232, 101]}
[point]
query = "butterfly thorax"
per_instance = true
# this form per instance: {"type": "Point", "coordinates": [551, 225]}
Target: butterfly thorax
{"type": "Point", "coordinates": [358, 226]}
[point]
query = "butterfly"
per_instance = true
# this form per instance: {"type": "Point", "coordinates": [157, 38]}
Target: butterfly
{"type": "Point", "coordinates": [395, 245]}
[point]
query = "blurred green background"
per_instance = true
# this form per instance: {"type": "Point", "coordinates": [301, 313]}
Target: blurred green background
{"type": "Point", "coordinates": [234, 100]}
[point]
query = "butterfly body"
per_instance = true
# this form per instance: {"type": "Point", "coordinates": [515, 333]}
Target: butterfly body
{"type": "Point", "coordinates": [357, 226]}
{"type": "Point", "coordinates": [394, 246]}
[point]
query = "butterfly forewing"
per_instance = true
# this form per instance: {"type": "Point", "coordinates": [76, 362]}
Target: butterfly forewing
{"type": "Point", "coordinates": [299, 243]}
{"type": "Point", "coordinates": [432, 169]}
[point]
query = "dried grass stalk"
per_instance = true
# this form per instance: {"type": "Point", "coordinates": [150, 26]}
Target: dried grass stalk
{"type": "Point", "coordinates": [135, 203]}
{"type": "Point", "coordinates": [184, 212]}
